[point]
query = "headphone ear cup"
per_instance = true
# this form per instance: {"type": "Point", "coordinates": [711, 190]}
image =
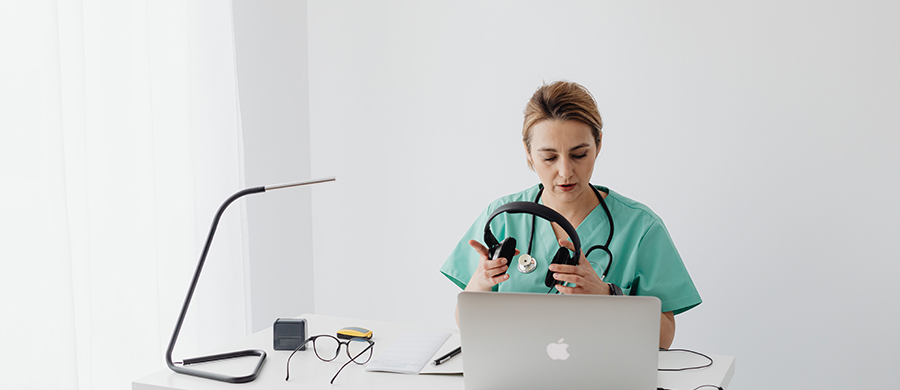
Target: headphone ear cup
{"type": "Point", "coordinates": [561, 257]}
{"type": "Point", "coordinates": [505, 249]}
{"type": "Point", "coordinates": [565, 257]}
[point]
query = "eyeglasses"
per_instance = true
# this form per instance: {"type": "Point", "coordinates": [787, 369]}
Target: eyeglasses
{"type": "Point", "coordinates": [327, 348]}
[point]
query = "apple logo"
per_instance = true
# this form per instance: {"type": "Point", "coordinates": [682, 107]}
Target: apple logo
{"type": "Point", "coordinates": [558, 350]}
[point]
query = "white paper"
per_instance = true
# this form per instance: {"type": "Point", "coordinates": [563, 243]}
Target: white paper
{"type": "Point", "coordinates": [410, 353]}
{"type": "Point", "coordinates": [452, 366]}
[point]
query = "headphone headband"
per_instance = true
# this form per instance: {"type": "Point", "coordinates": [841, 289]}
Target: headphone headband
{"type": "Point", "coordinates": [533, 209]}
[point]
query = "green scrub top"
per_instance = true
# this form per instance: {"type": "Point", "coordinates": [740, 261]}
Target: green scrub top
{"type": "Point", "coordinates": [645, 259]}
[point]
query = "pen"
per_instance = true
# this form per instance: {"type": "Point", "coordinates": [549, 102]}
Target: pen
{"type": "Point", "coordinates": [443, 359]}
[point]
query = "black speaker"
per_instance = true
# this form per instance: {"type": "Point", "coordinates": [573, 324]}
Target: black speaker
{"type": "Point", "coordinates": [289, 333]}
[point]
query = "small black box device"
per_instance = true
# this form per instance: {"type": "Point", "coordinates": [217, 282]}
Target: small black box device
{"type": "Point", "coordinates": [289, 334]}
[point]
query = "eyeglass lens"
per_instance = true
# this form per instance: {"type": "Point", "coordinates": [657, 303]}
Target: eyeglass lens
{"type": "Point", "coordinates": [359, 350]}
{"type": "Point", "coordinates": [327, 348]}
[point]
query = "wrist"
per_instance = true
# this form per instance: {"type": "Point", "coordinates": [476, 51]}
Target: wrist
{"type": "Point", "coordinates": [478, 284]}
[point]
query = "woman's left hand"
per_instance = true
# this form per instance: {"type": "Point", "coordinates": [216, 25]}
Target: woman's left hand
{"type": "Point", "coordinates": [582, 275]}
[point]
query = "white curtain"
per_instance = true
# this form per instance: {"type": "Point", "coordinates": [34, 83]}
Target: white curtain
{"type": "Point", "coordinates": [120, 138]}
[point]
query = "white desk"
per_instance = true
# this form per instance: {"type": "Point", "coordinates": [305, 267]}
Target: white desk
{"type": "Point", "coordinates": [308, 372]}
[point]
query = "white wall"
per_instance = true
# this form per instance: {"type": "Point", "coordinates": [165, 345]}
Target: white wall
{"type": "Point", "coordinates": [270, 48]}
{"type": "Point", "coordinates": [761, 132]}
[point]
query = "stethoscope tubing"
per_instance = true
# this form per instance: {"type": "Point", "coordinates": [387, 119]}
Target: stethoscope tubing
{"type": "Point", "coordinates": [604, 247]}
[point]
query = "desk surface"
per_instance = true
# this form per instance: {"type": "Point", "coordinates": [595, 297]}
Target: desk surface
{"type": "Point", "coordinates": [308, 372]}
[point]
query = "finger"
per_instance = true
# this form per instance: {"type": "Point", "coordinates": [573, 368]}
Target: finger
{"type": "Point", "coordinates": [478, 247]}
{"type": "Point", "coordinates": [496, 275]}
{"type": "Point", "coordinates": [565, 268]}
{"type": "Point", "coordinates": [493, 264]}
{"type": "Point", "coordinates": [483, 251]}
{"type": "Point", "coordinates": [567, 244]}
{"type": "Point", "coordinates": [498, 279]}
{"type": "Point", "coordinates": [495, 272]}
{"type": "Point", "coordinates": [575, 279]}
{"type": "Point", "coordinates": [566, 289]}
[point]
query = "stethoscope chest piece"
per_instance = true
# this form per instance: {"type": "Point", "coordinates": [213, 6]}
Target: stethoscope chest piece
{"type": "Point", "coordinates": [527, 264]}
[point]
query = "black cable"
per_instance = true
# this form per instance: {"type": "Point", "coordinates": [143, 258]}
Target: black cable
{"type": "Point", "coordinates": [533, 220]}
{"type": "Point", "coordinates": [687, 368]}
{"type": "Point", "coordinates": [530, 241]}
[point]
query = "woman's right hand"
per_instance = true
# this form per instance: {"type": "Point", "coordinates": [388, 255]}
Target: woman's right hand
{"type": "Point", "coordinates": [485, 275]}
{"type": "Point", "coordinates": [489, 272]}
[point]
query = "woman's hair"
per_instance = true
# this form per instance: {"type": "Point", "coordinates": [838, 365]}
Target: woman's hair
{"type": "Point", "coordinates": [563, 101]}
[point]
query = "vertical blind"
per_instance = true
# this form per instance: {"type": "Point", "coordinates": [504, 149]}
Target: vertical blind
{"type": "Point", "coordinates": [119, 137]}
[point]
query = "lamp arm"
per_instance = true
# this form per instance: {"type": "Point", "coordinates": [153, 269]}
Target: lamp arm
{"type": "Point", "coordinates": [187, 303]}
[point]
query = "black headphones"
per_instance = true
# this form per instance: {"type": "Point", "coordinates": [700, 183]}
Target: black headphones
{"type": "Point", "coordinates": [507, 247]}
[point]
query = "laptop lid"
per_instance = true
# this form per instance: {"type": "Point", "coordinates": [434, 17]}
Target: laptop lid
{"type": "Point", "coordinates": [534, 341]}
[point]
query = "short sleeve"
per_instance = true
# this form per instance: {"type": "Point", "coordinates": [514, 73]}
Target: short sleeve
{"type": "Point", "coordinates": [660, 272]}
{"type": "Point", "coordinates": [463, 260]}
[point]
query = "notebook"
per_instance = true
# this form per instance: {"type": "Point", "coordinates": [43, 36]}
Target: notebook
{"type": "Point", "coordinates": [535, 341]}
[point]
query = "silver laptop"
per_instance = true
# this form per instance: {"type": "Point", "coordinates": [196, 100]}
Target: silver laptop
{"type": "Point", "coordinates": [535, 341]}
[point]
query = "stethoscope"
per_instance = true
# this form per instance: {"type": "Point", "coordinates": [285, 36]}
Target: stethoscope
{"type": "Point", "coordinates": [527, 263]}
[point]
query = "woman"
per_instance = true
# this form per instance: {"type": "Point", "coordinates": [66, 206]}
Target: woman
{"type": "Point", "coordinates": [562, 138]}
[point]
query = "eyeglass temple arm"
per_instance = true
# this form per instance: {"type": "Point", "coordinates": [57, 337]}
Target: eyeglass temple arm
{"type": "Point", "coordinates": [352, 359]}
{"type": "Point", "coordinates": [371, 346]}
{"type": "Point", "coordinates": [288, 364]}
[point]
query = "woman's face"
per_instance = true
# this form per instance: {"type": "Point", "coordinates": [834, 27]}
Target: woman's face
{"type": "Point", "coordinates": [563, 155]}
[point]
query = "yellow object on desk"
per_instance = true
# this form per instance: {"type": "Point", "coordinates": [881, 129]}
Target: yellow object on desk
{"type": "Point", "coordinates": [352, 332]}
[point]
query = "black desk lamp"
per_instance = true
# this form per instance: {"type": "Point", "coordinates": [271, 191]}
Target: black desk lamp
{"type": "Point", "coordinates": [187, 301]}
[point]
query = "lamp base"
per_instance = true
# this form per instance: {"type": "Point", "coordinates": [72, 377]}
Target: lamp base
{"type": "Point", "coordinates": [223, 356]}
